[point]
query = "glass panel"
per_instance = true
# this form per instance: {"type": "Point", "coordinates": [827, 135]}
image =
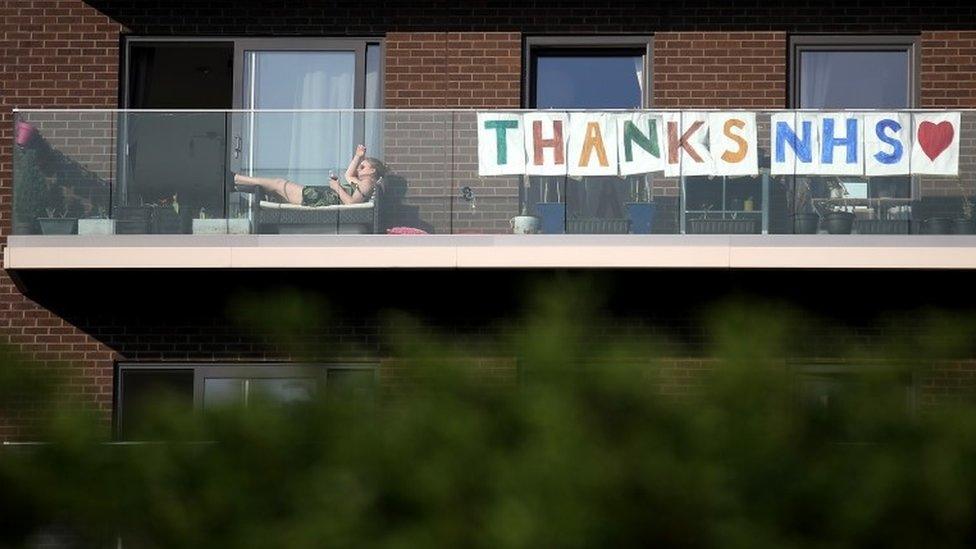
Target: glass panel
{"type": "Point", "coordinates": [219, 392]}
{"type": "Point", "coordinates": [300, 146]}
{"type": "Point", "coordinates": [586, 204]}
{"type": "Point", "coordinates": [144, 390]}
{"type": "Point", "coordinates": [282, 390]}
{"type": "Point", "coordinates": [64, 170]}
{"type": "Point", "coordinates": [854, 79]}
{"type": "Point", "coordinates": [175, 172]}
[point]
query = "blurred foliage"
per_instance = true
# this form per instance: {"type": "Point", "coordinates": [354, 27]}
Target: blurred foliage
{"type": "Point", "coordinates": [588, 447]}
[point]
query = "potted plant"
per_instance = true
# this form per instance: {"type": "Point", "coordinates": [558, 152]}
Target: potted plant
{"type": "Point", "coordinates": [964, 224]}
{"type": "Point", "coordinates": [56, 205]}
{"type": "Point", "coordinates": [29, 191]}
{"type": "Point", "coordinates": [805, 220]}
{"type": "Point", "coordinates": [99, 223]}
{"type": "Point", "coordinates": [641, 213]}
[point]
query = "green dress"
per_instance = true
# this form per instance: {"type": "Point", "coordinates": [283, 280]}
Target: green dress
{"type": "Point", "coordinates": [316, 196]}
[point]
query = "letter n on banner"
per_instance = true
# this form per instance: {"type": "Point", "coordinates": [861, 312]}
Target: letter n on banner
{"type": "Point", "coordinates": [500, 147]}
{"type": "Point", "coordinates": [592, 144]}
{"type": "Point", "coordinates": [687, 135]}
{"type": "Point", "coordinates": [734, 143]}
{"type": "Point", "coordinates": [795, 144]}
{"type": "Point", "coordinates": [545, 135]}
{"type": "Point", "coordinates": [640, 143]}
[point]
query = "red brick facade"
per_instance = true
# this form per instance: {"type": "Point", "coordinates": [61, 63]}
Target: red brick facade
{"type": "Point", "coordinates": [54, 54]}
{"type": "Point", "coordinates": [720, 69]}
{"type": "Point", "coordinates": [65, 54]}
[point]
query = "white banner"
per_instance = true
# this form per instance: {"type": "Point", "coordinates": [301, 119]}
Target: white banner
{"type": "Point", "coordinates": [546, 135]}
{"type": "Point", "coordinates": [592, 144]}
{"type": "Point", "coordinates": [733, 143]}
{"type": "Point", "coordinates": [717, 143]}
{"type": "Point", "coordinates": [841, 152]}
{"type": "Point", "coordinates": [796, 144]}
{"type": "Point", "coordinates": [687, 150]}
{"type": "Point", "coordinates": [887, 143]}
{"type": "Point", "coordinates": [640, 143]}
{"type": "Point", "coordinates": [500, 147]}
{"type": "Point", "coordinates": [936, 143]}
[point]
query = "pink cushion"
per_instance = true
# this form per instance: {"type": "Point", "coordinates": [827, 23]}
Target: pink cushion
{"type": "Point", "coordinates": [405, 230]}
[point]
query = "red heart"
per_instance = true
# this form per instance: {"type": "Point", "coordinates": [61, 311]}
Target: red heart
{"type": "Point", "coordinates": [935, 138]}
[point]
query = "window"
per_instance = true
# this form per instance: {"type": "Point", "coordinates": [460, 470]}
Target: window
{"type": "Point", "coordinates": [185, 160]}
{"type": "Point", "coordinates": [586, 73]}
{"type": "Point", "coordinates": [856, 72]}
{"type": "Point", "coordinates": [142, 388]}
{"type": "Point", "coordinates": [853, 72]}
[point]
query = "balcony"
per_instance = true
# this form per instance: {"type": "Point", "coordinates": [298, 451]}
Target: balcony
{"type": "Point", "coordinates": [153, 189]}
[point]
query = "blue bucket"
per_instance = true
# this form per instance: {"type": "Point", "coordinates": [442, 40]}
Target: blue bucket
{"type": "Point", "coordinates": [641, 217]}
{"type": "Point", "coordinates": [553, 216]}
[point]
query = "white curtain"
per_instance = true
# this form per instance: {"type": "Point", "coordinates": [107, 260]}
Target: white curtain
{"type": "Point", "coordinates": [815, 80]}
{"type": "Point", "coordinates": [320, 142]}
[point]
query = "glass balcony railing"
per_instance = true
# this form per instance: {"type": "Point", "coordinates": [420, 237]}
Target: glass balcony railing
{"type": "Point", "coordinates": [154, 172]}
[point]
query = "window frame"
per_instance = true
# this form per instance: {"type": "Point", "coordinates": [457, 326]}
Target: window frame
{"type": "Point", "coordinates": [242, 44]}
{"type": "Point", "coordinates": [863, 43]}
{"type": "Point", "coordinates": [583, 44]}
{"type": "Point", "coordinates": [250, 370]}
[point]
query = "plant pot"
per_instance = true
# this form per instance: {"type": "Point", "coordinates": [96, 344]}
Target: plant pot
{"type": "Point", "coordinates": [881, 226]}
{"type": "Point", "coordinates": [553, 216]}
{"type": "Point", "coordinates": [96, 226]}
{"type": "Point", "coordinates": [239, 225]}
{"type": "Point", "coordinates": [838, 222]}
{"type": "Point", "coordinates": [939, 225]}
{"type": "Point", "coordinates": [641, 216]}
{"type": "Point", "coordinates": [24, 133]}
{"type": "Point", "coordinates": [58, 225]}
{"type": "Point", "coordinates": [219, 225]}
{"type": "Point", "coordinates": [723, 226]}
{"type": "Point", "coordinates": [964, 226]}
{"type": "Point", "coordinates": [598, 225]}
{"type": "Point", "coordinates": [805, 223]}
{"type": "Point", "coordinates": [525, 224]}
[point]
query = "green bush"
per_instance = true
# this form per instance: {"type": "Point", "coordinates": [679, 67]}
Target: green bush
{"type": "Point", "coordinates": [584, 450]}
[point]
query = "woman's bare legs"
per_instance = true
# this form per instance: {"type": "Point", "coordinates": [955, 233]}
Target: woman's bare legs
{"type": "Point", "coordinates": [291, 192]}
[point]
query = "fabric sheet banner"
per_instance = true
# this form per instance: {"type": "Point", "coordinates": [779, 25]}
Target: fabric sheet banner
{"type": "Point", "coordinates": [717, 143]}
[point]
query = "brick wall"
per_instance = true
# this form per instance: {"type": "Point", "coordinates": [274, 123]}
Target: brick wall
{"type": "Point", "coordinates": [54, 54]}
{"type": "Point", "coordinates": [948, 81]}
{"type": "Point", "coordinates": [433, 154]}
{"type": "Point", "coordinates": [720, 70]}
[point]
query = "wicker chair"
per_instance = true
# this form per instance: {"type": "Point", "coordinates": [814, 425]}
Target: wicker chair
{"type": "Point", "coordinates": [281, 218]}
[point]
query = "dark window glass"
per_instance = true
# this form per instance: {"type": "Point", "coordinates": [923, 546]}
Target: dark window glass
{"type": "Point", "coordinates": [588, 81]}
{"type": "Point", "coordinates": [854, 79]}
{"type": "Point", "coordinates": [142, 390]}
{"type": "Point", "coordinates": [181, 75]}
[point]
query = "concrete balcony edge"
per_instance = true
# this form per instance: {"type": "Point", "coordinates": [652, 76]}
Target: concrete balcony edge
{"type": "Point", "coordinates": [490, 251]}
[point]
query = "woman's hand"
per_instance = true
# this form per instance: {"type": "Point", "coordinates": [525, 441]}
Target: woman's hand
{"type": "Point", "coordinates": [361, 150]}
{"type": "Point", "coordinates": [334, 184]}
